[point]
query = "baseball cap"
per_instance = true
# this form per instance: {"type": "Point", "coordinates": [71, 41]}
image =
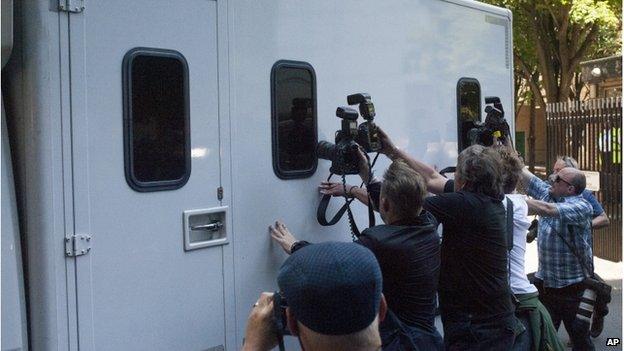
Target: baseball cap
{"type": "Point", "coordinates": [333, 288]}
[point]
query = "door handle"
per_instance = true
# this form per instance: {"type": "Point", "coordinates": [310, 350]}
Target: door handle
{"type": "Point", "coordinates": [212, 227]}
{"type": "Point", "coordinates": [205, 228]}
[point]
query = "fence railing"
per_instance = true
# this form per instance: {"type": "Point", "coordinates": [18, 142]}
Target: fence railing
{"type": "Point", "coordinates": [591, 132]}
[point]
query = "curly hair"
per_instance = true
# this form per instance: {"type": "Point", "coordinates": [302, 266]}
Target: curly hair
{"type": "Point", "coordinates": [511, 167]}
{"type": "Point", "coordinates": [479, 168]}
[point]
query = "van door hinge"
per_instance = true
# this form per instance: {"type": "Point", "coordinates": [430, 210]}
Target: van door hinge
{"type": "Point", "coordinates": [220, 193]}
{"type": "Point", "coordinates": [77, 245]}
{"type": "Point", "coordinates": [75, 6]}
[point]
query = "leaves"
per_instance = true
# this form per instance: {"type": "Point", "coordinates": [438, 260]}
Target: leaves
{"type": "Point", "coordinates": [552, 37]}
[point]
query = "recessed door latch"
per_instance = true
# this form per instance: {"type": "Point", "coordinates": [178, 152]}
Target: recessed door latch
{"type": "Point", "coordinates": [77, 245]}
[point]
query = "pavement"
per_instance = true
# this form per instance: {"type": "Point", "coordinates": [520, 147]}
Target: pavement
{"type": "Point", "coordinates": [612, 272]}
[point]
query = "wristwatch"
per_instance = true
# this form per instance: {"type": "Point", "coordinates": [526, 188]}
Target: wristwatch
{"type": "Point", "coordinates": [350, 192]}
{"type": "Point", "coordinates": [297, 245]}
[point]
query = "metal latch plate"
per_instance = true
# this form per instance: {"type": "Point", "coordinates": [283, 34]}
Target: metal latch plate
{"type": "Point", "coordinates": [77, 245]}
{"type": "Point", "coordinates": [75, 6]}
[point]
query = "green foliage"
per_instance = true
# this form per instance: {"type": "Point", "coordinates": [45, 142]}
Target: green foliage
{"type": "Point", "coordinates": [551, 38]}
{"type": "Point", "coordinates": [589, 11]}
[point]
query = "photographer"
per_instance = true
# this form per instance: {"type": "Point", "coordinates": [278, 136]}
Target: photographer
{"type": "Point", "coordinates": [333, 293]}
{"type": "Point", "coordinates": [475, 301]}
{"type": "Point", "coordinates": [564, 250]}
{"type": "Point", "coordinates": [540, 332]}
{"type": "Point", "coordinates": [407, 248]}
{"type": "Point", "coordinates": [599, 220]}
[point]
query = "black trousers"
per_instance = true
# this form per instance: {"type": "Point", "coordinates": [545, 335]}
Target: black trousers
{"type": "Point", "coordinates": [562, 304]}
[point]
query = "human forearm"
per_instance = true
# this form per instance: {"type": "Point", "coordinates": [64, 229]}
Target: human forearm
{"type": "Point", "coordinates": [542, 208]}
{"type": "Point", "coordinates": [359, 193]}
{"type": "Point", "coordinates": [434, 180]}
{"type": "Point", "coordinates": [525, 177]}
{"type": "Point", "coordinates": [260, 333]}
{"type": "Point", "coordinates": [601, 221]}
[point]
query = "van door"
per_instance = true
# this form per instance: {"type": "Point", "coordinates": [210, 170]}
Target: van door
{"type": "Point", "coordinates": [151, 228]}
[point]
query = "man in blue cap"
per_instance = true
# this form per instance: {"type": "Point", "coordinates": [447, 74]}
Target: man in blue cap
{"type": "Point", "coordinates": [333, 293]}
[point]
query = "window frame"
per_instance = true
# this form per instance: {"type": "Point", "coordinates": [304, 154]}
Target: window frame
{"type": "Point", "coordinates": [297, 174]}
{"type": "Point", "coordinates": [458, 102]}
{"type": "Point", "coordinates": [131, 179]}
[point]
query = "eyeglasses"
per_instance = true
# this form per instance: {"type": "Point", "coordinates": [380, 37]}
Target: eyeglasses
{"type": "Point", "coordinates": [559, 179]}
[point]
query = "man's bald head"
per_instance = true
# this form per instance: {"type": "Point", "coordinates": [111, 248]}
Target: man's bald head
{"type": "Point", "coordinates": [575, 177]}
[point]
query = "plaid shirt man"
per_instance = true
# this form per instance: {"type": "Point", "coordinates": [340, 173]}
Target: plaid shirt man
{"type": "Point", "coordinates": [558, 265]}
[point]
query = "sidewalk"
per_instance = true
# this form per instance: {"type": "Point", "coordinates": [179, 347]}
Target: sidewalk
{"type": "Point", "coordinates": [612, 272]}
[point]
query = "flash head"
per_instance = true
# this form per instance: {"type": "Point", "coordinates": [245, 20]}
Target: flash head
{"type": "Point", "coordinates": [347, 113]}
{"type": "Point", "coordinates": [358, 98]}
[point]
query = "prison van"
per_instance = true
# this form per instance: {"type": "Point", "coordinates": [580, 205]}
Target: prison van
{"type": "Point", "coordinates": [148, 145]}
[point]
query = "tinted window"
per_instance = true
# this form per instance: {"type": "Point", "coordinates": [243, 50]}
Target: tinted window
{"type": "Point", "coordinates": [294, 119]}
{"type": "Point", "coordinates": [156, 119]}
{"type": "Point", "coordinates": [468, 109]}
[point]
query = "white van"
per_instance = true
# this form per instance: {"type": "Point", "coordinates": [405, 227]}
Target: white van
{"type": "Point", "coordinates": [152, 145]}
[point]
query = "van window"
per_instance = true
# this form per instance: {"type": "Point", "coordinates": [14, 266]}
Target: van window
{"type": "Point", "coordinates": [156, 119]}
{"type": "Point", "coordinates": [468, 109]}
{"type": "Point", "coordinates": [293, 123]}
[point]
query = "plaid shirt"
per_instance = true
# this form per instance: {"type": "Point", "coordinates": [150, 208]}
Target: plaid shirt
{"type": "Point", "coordinates": [558, 265]}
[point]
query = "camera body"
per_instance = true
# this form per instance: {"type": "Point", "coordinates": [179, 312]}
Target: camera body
{"type": "Point", "coordinates": [344, 153]}
{"type": "Point", "coordinates": [495, 125]}
{"type": "Point", "coordinates": [279, 314]}
{"type": "Point", "coordinates": [350, 137]}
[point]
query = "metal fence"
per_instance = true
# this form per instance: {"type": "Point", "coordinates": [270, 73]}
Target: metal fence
{"type": "Point", "coordinates": [590, 132]}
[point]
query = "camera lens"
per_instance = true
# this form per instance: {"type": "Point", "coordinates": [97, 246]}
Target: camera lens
{"type": "Point", "coordinates": [586, 307]}
{"type": "Point", "coordinates": [326, 150]}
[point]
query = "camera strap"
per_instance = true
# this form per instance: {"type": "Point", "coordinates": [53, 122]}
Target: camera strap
{"type": "Point", "coordinates": [509, 211]}
{"type": "Point", "coordinates": [447, 170]}
{"type": "Point", "coordinates": [322, 209]}
{"type": "Point", "coordinates": [590, 272]}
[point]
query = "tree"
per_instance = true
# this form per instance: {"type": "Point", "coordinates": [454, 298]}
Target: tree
{"type": "Point", "coordinates": [552, 37]}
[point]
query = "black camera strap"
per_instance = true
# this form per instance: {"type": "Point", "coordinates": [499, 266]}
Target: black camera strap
{"type": "Point", "coordinates": [322, 207]}
{"type": "Point", "coordinates": [447, 170]}
{"type": "Point", "coordinates": [322, 210]}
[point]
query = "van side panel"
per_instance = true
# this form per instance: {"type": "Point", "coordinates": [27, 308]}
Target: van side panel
{"type": "Point", "coordinates": [408, 55]}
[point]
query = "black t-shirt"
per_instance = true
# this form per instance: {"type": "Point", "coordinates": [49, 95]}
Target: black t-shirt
{"type": "Point", "coordinates": [409, 256]}
{"type": "Point", "coordinates": [473, 273]}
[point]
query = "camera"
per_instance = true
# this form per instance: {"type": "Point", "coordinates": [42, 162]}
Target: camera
{"type": "Point", "coordinates": [279, 314]}
{"type": "Point", "coordinates": [368, 135]}
{"type": "Point", "coordinates": [586, 308]}
{"type": "Point", "coordinates": [344, 153]}
{"type": "Point", "coordinates": [495, 125]}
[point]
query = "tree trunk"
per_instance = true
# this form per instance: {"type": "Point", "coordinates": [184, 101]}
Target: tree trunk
{"type": "Point", "coordinates": [532, 135]}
